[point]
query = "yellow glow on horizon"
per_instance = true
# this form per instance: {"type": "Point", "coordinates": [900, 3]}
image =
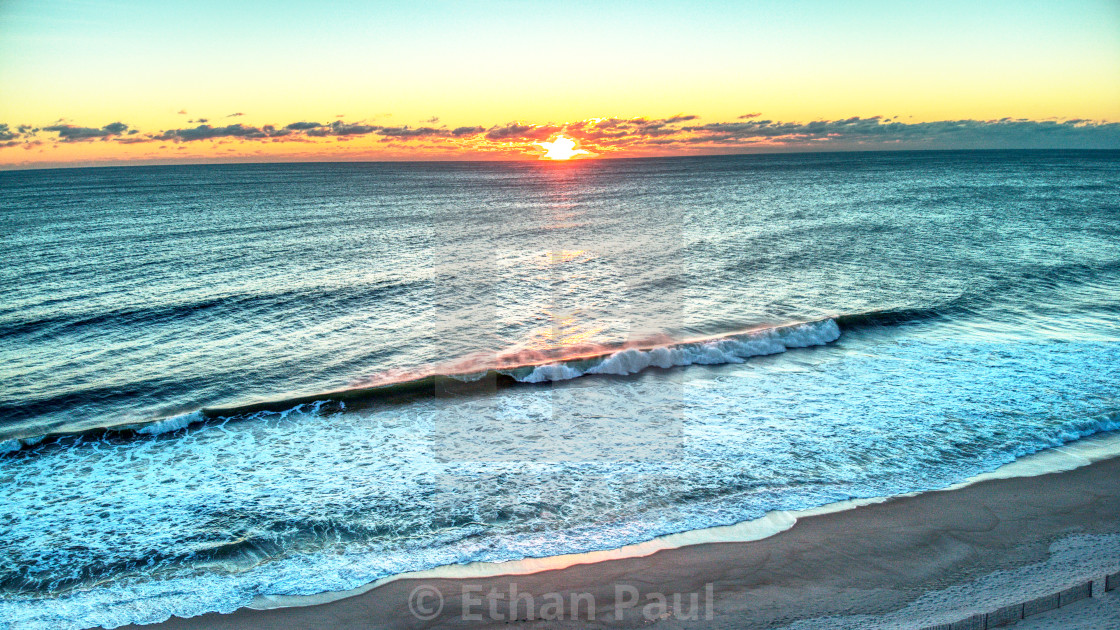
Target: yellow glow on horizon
{"type": "Point", "coordinates": [561, 148]}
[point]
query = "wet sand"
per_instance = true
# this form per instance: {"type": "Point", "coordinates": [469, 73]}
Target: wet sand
{"type": "Point", "coordinates": [871, 560]}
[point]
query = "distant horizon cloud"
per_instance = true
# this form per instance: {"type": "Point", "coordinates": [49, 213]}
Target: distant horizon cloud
{"type": "Point", "coordinates": [467, 131]}
{"type": "Point", "coordinates": [685, 134]}
{"type": "Point", "coordinates": [206, 132]}
{"type": "Point", "coordinates": [72, 133]}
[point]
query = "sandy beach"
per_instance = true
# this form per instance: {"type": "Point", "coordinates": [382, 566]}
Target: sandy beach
{"type": "Point", "coordinates": [965, 550]}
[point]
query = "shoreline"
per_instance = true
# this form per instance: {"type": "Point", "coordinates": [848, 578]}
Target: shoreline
{"type": "Point", "coordinates": [1075, 476]}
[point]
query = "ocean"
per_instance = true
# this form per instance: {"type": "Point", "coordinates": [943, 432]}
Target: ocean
{"type": "Point", "coordinates": [225, 381]}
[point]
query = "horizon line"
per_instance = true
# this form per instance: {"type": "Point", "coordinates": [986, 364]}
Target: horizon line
{"type": "Point", "coordinates": [4, 168]}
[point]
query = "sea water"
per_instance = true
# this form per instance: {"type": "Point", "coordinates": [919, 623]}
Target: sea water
{"type": "Point", "coordinates": [226, 381]}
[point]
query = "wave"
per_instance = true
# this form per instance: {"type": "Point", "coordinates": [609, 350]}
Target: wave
{"type": "Point", "coordinates": [902, 316]}
{"type": "Point", "coordinates": [483, 375]}
{"type": "Point", "coordinates": [474, 375]}
{"type": "Point", "coordinates": [731, 349]}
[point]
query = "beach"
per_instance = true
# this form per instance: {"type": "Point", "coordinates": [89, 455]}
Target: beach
{"type": "Point", "coordinates": [908, 562]}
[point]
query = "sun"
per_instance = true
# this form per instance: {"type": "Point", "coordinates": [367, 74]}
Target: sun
{"type": "Point", "coordinates": [561, 148]}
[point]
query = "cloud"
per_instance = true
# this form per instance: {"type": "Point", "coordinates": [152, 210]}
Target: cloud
{"type": "Point", "coordinates": [272, 132]}
{"type": "Point", "coordinates": [235, 114]}
{"type": "Point", "coordinates": [7, 134]}
{"type": "Point", "coordinates": [303, 126]}
{"type": "Point", "coordinates": [71, 133]}
{"type": "Point", "coordinates": [433, 120]}
{"type": "Point", "coordinates": [511, 130]}
{"type": "Point", "coordinates": [206, 132]}
{"type": "Point", "coordinates": [467, 131]}
{"type": "Point", "coordinates": [753, 115]}
{"type": "Point", "coordinates": [856, 132]}
{"type": "Point", "coordinates": [183, 112]}
{"type": "Point", "coordinates": [340, 128]}
{"type": "Point", "coordinates": [517, 131]}
{"type": "Point", "coordinates": [408, 132]}
{"type": "Point", "coordinates": [609, 133]}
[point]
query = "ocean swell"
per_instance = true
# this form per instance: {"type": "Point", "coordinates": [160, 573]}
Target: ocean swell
{"type": "Point", "coordinates": [730, 349]}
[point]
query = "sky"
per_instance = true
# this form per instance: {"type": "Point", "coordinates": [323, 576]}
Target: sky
{"type": "Point", "coordinates": [129, 81]}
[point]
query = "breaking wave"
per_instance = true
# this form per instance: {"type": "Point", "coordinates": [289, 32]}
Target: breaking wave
{"type": "Point", "coordinates": [473, 376]}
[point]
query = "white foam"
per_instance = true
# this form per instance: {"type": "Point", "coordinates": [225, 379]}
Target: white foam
{"type": "Point", "coordinates": [1075, 454]}
{"type": "Point", "coordinates": [14, 444]}
{"type": "Point", "coordinates": [174, 423]}
{"type": "Point", "coordinates": [470, 377]}
{"type": "Point", "coordinates": [551, 372]}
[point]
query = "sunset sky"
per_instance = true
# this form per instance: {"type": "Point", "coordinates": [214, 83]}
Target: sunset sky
{"type": "Point", "coordinates": [87, 82]}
